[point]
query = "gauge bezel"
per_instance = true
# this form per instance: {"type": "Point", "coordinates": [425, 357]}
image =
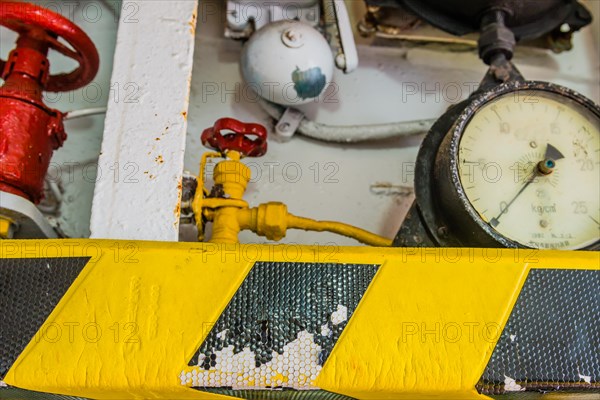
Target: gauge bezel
{"type": "Point", "coordinates": [451, 144]}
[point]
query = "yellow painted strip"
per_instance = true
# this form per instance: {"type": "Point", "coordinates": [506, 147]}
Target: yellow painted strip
{"type": "Point", "coordinates": [129, 323]}
{"type": "Point", "coordinates": [154, 303]}
{"type": "Point", "coordinates": [430, 329]}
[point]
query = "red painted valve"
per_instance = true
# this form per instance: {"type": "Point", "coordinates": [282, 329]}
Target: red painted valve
{"type": "Point", "coordinates": [248, 139]}
{"type": "Point", "coordinates": [30, 130]}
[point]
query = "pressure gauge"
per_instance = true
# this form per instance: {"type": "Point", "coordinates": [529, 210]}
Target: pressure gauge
{"type": "Point", "coordinates": [515, 166]}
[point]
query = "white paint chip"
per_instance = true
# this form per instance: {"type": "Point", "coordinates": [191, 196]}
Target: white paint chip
{"type": "Point", "coordinates": [585, 378]}
{"type": "Point", "coordinates": [510, 385]}
{"type": "Point", "coordinates": [296, 368]}
{"type": "Point", "coordinates": [223, 334]}
{"type": "Point", "coordinates": [340, 315]}
{"type": "Point", "coordinates": [326, 331]}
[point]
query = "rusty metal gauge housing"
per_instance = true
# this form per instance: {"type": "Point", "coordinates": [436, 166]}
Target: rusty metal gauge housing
{"type": "Point", "coordinates": [528, 19]}
{"type": "Point", "coordinates": [515, 166]}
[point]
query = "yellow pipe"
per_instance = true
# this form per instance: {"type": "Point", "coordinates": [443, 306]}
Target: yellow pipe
{"type": "Point", "coordinates": [225, 226]}
{"type": "Point", "coordinates": [340, 228]}
{"type": "Point", "coordinates": [272, 221]}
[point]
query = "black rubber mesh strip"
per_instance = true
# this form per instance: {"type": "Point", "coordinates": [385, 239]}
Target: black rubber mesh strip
{"type": "Point", "coordinates": [563, 394]}
{"type": "Point", "coordinates": [29, 290]}
{"type": "Point", "coordinates": [551, 341]}
{"type": "Point", "coordinates": [276, 301]}
{"type": "Point", "coordinates": [11, 393]}
{"type": "Point", "coordinates": [280, 394]}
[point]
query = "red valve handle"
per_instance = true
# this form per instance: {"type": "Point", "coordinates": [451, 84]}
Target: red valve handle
{"type": "Point", "coordinates": [43, 26]}
{"type": "Point", "coordinates": [239, 139]}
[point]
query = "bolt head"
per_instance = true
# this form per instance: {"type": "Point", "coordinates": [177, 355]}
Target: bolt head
{"type": "Point", "coordinates": [443, 231]}
{"type": "Point", "coordinates": [292, 38]}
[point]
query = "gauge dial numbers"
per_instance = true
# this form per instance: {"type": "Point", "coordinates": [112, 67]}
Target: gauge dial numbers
{"type": "Point", "coordinates": [528, 162]}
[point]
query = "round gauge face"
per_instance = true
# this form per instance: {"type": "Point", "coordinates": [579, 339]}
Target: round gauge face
{"type": "Point", "coordinates": [529, 165]}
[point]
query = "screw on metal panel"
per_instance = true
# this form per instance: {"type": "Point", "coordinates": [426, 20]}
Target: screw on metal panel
{"type": "Point", "coordinates": [442, 231]}
{"type": "Point", "coordinates": [284, 127]}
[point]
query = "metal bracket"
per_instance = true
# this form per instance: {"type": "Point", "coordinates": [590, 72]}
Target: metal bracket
{"type": "Point", "coordinates": [288, 123]}
{"type": "Point", "coordinates": [245, 17]}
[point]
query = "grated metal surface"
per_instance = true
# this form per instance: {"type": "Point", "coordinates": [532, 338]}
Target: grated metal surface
{"type": "Point", "coordinates": [29, 291]}
{"type": "Point", "coordinates": [277, 301]}
{"type": "Point", "coordinates": [552, 338]}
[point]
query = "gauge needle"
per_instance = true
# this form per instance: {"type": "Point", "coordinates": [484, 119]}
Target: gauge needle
{"type": "Point", "coordinates": [552, 153]}
{"type": "Point", "coordinates": [544, 167]}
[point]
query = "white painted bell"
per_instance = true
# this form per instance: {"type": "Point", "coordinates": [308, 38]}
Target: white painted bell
{"type": "Point", "coordinates": [287, 62]}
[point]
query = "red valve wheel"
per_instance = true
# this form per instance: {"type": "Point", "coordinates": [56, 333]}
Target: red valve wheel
{"type": "Point", "coordinates": [248, 139]}
{"type": "Point", "coordinates": [45, 27]}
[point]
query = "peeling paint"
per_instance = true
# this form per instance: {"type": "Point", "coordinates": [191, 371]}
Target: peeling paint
{"type": "Point", "coordinates": [389, 189]}
{"type": "Point", "coordinates": [510, 385]}
{"type": "Point", "coordinates": [585, 378]}
{"type": "Point", "coordinates": [223, 334]}
{"type": "Point", "coordinates": [326, 331]}
{"type": "Point", "coordinates": [309, 83]}
{"type": "Point", "coordinates": [340, 315]}
{"type": "Point", "coordinates": [296, 368]}
{"type": "Point", "coordinates": [192, 24]}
